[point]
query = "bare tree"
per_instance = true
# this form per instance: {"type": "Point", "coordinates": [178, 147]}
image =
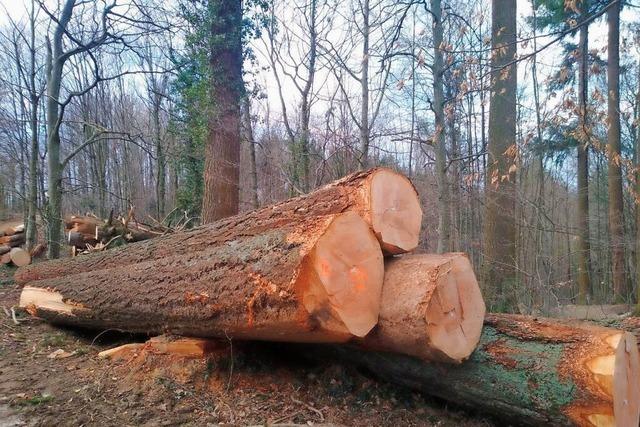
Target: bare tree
{"type": "Point", "coordinates": [616, 203]}
{"type": "Point", "coordinates": [499, 248]}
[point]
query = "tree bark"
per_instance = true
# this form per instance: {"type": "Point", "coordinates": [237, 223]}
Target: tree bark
{"type": "Point", "coordinates": [431, 308]}
{"type": "Point", "coordinates": [444, 214]}
{"type": "Point", "coordinates": [584, 248]}
{"type": "Point", "coordinates": [291, 282]}
{"type": "Point", "coordinates": [248, 129]}
{"type": "Point", "coordinates": [222, 151]}
{"type": "Point", "coordinates": [387, 201]}
{"type": "Point", "coordinates": [637, 195]}
{"type": "Point", "coordinates": [616, 202]}
{"type": "Point", "coordinates": [364, 87]}
{"type": "Point", "coordinates": [499, 246]}
{"type": "Point", "coordinates": [528, 371]}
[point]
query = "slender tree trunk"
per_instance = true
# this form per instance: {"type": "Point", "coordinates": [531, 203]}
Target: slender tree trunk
{"type": "Point", "coordinates": [616, 203]}
{"type": "Point", "coordinates": [248, 129]}
{"type": "Point", "coordinates": [54, 167]}
{"type": "Point", "coordinates": [222, 152]}
{"type": "Point", "coordinates": [364, 88]}
{"type": "Point", "coordinates": [444, 220]}
{"type": "Point", "coordinates": [161, 186]}
{"type": "Point", "coordinates": [540, 296]}
{"type": "Point", "coordinates": [499, 273]}
{"type": "Point", "coordinates": [584, 250]}
{"type": "Point", "coordinates": [32, 205]}
{"type": "Point", "coordinates": [637, 198]}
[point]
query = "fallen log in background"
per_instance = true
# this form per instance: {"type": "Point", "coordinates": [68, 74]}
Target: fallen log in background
{"type": "Point", "coordinates": [386, 200]}
{"type": "Point", "coordinates": [19, 257]}
{"type": "Point", "coordinates": [528, 371]}
{"type": "Point", "coordinates": [13, 240]}
{"type": "Point", "coordinates": [431, 308]}
{"type": "Point", "coordinates": [300, 281]}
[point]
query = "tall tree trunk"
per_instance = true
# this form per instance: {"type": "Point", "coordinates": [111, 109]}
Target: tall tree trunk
{"type": "Point", "coordinates": [34, 152]}
{"type": "Point", "coordinates": [616, 203]}
{"type": "Point", "coordinates": [364, 88]}
{"type": "Point", "coordinates": [444, 220]}
{"type": "Point", "coordinates": [54, 167]}
{"type": "Point", "coordinates": [222, 151]}
{"type": "Point", "coordinates": [499, 273]}
{"type": "Point", "coordinates": [584, 250]}
{"type": "Point", "coordinates": [637, 198]}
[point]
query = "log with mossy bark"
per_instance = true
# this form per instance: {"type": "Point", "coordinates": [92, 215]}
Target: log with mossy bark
{"type": "Point", "coordinates": [386, 200]}
{"type": "Point", "coordinates": [527, 371]}
{"type": "Point", "coordinates": [315, 279]}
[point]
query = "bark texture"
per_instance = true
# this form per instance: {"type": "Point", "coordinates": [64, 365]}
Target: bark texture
{"type": "Point", "coordinates": [584, 248]}
{"type": "Point", "coordinates": [290, 282]}
{"type": "Point", "coordinates": [222, 152]}
{"type": "Point", "coordinates": [529, 371]}
{"type": "Point", "coordinates": [352, 193]}
{"type": "Point", "coordinates": [616, 201]}
{"type": "Point", "coordinates": [499, 248]}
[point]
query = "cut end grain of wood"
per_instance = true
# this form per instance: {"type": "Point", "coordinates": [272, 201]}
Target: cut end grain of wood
{"type": "Point", "coordinates": [431, 308]}
{"type": "Point", "coordinates": [20, 257]}
{"type": "Point", "coordinates": [396, 215]}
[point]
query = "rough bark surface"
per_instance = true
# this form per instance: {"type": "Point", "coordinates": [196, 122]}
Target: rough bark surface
{"type": "Point", "coordinates": [499, 245]}
{"type": "Point", "coordinates": [352, 193]}
{"type": "Point", "coordinates": [614, 171]}
{"type": "Point", "coordinates": [431, 308]}
{"type": "Point", "coordinates": [222, 152]}
{"type": "Point", "coordinates": [290, 282]}
{"type": "Point", "coordinates": [529, 371]}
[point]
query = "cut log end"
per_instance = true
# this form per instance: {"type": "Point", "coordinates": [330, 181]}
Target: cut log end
{"type": "Point", "coordinates": [32, 299]}
{"type": "Point", "coordinates": [20, 257]}
{"type": "Point", "coordinates": [343, 276]}
{"type": "Point", "coordinates": [432, 308]}
{"type": "Point", "coordinates": [396, 215]}
{"type": "Point", "coordinates": [626, 383]}
{"type": "Point", "coordinates": [455, 313]}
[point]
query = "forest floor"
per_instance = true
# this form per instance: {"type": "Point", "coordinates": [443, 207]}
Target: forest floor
{"type": "Point", "coordinates": [53, 376]}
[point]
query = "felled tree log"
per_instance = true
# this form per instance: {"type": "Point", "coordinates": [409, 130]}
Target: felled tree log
{"type": "Point", "coordinates": [297, 282]}
{"type": "Point", "coordinates": [4, 249]}
{"type": "Point", "coordinates": [386, 200]}
{"type": "Point", "coordinates": [12, 241]}
{"type": "Point", "coordinates": [431, 308]}
{"type": "Point", "coordinates": [11, 230]}
{"type": "Point", "coordinates": [19, 257]}
{"type": "Point", "coordinates": [527, 371]}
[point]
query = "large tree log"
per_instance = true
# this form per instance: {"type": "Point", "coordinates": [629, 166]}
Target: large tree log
{"type": "Point", "coordinates": [386, 200]}
{"type": "Point", "coordinates": [314, 279]}
{"type": "Point", "coordinates": [528, 371]}
{"type": "Point", "coordinates": [431, 308]}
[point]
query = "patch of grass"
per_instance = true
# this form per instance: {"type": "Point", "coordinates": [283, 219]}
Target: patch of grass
{"type": "Point", "coordinates": [6, 274]}
{"type": "Point", "coordinates": [36, 400]}
{"type": "Point", "coordinates": [53, 340]}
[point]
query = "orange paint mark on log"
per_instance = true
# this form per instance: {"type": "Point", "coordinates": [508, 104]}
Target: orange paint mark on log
{"type": "Point", "coordinates": [358, 277]}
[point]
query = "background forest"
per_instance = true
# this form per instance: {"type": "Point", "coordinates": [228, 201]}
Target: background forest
{"type": "Point", "coordinates": [519, 124]}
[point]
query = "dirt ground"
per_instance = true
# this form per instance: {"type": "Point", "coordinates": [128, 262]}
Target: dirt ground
{"type": "Point", "coordinates": [52, 376]}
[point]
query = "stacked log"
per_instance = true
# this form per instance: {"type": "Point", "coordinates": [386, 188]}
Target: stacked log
{"type": "Point", "coordinates": [11, 238]}
{"type": "Point", "coordinates": [294, 282]}
{"type": "Point", "coordinates": [431, 308]}
{"type": "Point", "coordinates": [386, 200]}
{"type": "Point", "coordinates": [311, 270]}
